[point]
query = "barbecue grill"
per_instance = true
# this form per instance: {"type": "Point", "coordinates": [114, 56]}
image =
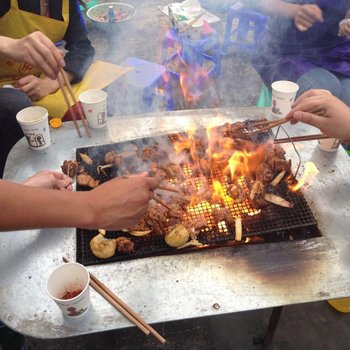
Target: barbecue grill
{"type": "Point", "coordinates": [272, 223]}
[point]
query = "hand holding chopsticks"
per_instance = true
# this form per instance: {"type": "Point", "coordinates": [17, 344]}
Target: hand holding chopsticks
{"type": "Point", "coordinates": [64, 83]}
{"type": "Point", "coordinates": [122, 307]}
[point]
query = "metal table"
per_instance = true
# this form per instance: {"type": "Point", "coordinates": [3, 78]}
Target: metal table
{"type": "Point", "coordinates": [167, 288]}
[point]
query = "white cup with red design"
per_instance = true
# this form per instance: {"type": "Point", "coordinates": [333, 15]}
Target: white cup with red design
{"type": "Point", "coordinates": [68, 286]}
{"type": "Point", "coordinates": [94, 104]}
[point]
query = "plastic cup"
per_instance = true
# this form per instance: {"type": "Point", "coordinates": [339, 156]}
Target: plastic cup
{"type": "Point", "coordinates": [68, 286]}
{"type": "Point", "coordinates": [94, 104]}
{"type": "Point", "coordinates": [283, 96]}
{"type": "Point", "coordinates": [329, 145]}
{"type": "Point", "coordinates": [35, 126]}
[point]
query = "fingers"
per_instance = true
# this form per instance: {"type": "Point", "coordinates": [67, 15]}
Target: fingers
{"type": "Point", "coordinates": [307, 16]}
{"type": "Point", "coordinates": [310, 119]}
{"type": "Point", "coordinates": [42, 53]}
{"type": "Point", "coordinates": [311, 93]}
{"type": "Point", "coordinates": [153, 183]}
{"type": "Point", "coordinates": [312, 13]}
{"type": "Point", "coordinates": [64, 183]}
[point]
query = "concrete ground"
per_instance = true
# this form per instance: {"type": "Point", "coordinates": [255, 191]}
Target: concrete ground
{"type": "Point", "coordinates": [311, 326]}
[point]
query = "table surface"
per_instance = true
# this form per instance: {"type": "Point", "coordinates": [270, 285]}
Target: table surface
{"type": "Point", "coordinates": [168, 288]}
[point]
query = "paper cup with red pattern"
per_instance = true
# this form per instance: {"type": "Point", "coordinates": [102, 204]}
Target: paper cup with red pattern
{"type": "Point", "coordinates": [94, 103]}
{"type": "Point", "coordinates": [68, 286]}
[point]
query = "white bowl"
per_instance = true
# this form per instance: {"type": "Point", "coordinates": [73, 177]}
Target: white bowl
{"type": "Point", "coordinates": [99, 13]}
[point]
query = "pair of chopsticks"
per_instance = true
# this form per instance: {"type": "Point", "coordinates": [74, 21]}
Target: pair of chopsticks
{"type": "Point", "coordinates": [302, 138]}
{"type": "Point", "coordinates": [122, 307]}
{"type": "Point", "coordinates": [165, 188]}
{"type": "Point", "coordinates": [268, 124]}
{"type": "Point", "coordinates": [64, 83]}
{"type": "Point", "coordinates": [190, 24]}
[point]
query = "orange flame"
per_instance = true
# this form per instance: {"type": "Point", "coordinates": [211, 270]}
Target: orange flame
{"type": "Point", "coordinates": [220, 193]}
{"type": "Point", "coordinates": [309, 174]}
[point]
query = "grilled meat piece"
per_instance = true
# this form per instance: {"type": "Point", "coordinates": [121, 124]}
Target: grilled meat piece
{"type": "Point", "coordinates": [69, 167]}
{"type": "Point", "coordinates": [124, 245]}
{"type": "Point", "coordinates": [87, 180]}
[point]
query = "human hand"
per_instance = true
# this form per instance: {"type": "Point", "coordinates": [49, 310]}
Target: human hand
{"type": "Point", "coordinates": [119, 203]}
{"type": "Point", "coordinates": [38, 50]}
{"type": "Point", "coordinates": [306, 17]}
{"type": "Point", "coordinates": [344, 27]}
{"type": "Point", "coordinates": [51, 180]}
{"type": "Point", "coordinates": [321, 109]}
{"type": "Point", "coordinates": [36, 88]}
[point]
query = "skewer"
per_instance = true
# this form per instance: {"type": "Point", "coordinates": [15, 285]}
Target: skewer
{"type": "Point", "coordinates": [130, 314]}
{"type": "Point", "coordinates": [302, 138]}
{"type": "Point", "coordinates": [81, 112]}
{"type": "Point", "coordinates": [189, 25]}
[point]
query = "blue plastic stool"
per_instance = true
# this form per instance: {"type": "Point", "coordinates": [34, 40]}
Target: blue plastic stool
{"type": "Point", "coordinates": [192, 55]}
{"type": "Point", "coordinates": [143, 82]}
{"type": "Point", "coordinates": [192, 52]}
{"type": "Point", "coordinates": [245, 34]}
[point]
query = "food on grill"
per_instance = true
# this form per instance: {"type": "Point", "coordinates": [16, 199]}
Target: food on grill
{"type": "Point", "coordinates": [177, 236]}
{"type": "Point", "coordinates": [86, 180]}
{"type": "Point", "coordinates": [86, 159]}
{"type": "Point", "coordinates": [124, 245]}
{"type": "Point", "coordinates": [238, 229]}
{"type": "Point", "coordinates": [224, 176]}
{"type": "Point", "coordinates": [69, 167]}
{"type": "Point", "coordinates": [102, 247]}
{"type": "Point", "coordinates": [277, 200]}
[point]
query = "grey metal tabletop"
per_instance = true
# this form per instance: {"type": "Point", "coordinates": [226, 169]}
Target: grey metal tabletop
{"type": "Point", "coordinates": [176, 287]}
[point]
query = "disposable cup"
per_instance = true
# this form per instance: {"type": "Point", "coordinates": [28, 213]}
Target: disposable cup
{"type": "Point", "coordinates": [94, 104]}
{"type": "Point", "coordinates": [283, 96]}
{"type": "Point", "coordinates": [329, 145]}
{"type": "Point", "coordinates": [35, 126]}
{"type": "Point", "coordinates": [68, 286]}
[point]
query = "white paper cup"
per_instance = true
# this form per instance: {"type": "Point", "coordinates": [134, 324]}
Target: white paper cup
{"type": "Point", "coordinates": [329, 145]}
{"type": "Point", "coordinates": [35, 126]}
{"type": "Point", "coordinates": [94, 104]}
{"type": "Point", "coordinates": [70, 278]}
{"type": "Point", "coordinates": [283, 96]}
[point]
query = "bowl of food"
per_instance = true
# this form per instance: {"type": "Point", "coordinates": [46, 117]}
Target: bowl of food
{"type": "Point", "coordinates": [99, 14]}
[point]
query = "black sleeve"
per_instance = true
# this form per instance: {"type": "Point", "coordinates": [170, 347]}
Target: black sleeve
{"type": "Point", "coordinates": [80, 51]}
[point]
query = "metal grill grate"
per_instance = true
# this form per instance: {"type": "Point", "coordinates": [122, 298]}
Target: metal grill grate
{"type": "Point", "coordinates": [271, 222]}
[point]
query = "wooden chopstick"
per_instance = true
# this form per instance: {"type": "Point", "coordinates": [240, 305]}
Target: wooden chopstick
{"type": "Point", "coordinates": [190, 24]}
{"type": "Point", "coordinates": [81, 112]}
{"type": "Point", "coordinates": [130, 314]}
{"type": "Point", "coordinates": [61, 83]}
{"type": "Point", "coordinates": [302, 138]}
{"type": "Point", "coordinates": [168, 188]}
{"type": "Point", "coordinates": [269, 125]}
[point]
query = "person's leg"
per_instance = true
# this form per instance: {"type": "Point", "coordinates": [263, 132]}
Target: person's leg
{"type": "Point", "coordinates": [345, 91]}
{"type": "Point", "coordinates": [11, 102]}
{"type": "Point", "coordinates": [319, 78]}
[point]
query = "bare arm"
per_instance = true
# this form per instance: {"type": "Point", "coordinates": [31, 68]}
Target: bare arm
{"type": "Point", "coordinates": [279, 8]}
{"type": "Point", "coordinates": [116, 204]}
